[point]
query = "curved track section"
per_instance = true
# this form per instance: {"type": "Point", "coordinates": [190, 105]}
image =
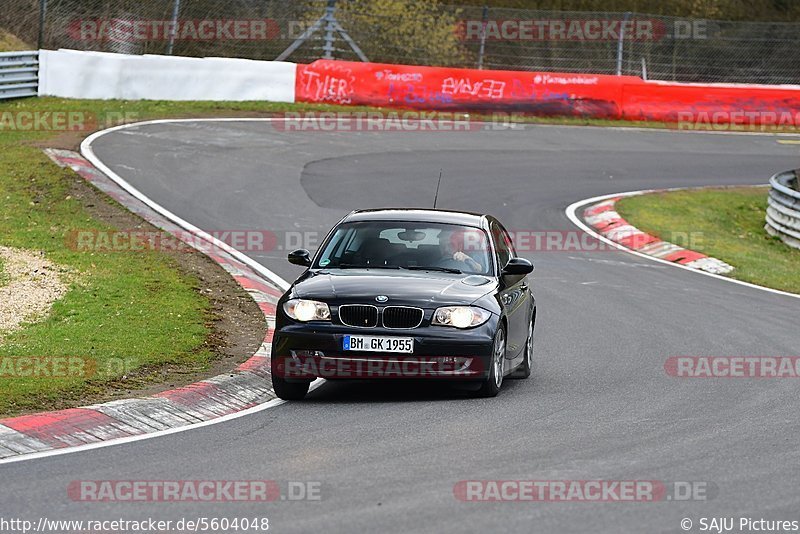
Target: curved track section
{"type": "Point", "coordinates": [600, 404]}
{"type": "Point", "coordinates": [574, 209]}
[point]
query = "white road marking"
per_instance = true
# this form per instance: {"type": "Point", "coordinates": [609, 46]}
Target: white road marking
{"type": "Point", "coordinates": [121, 441]}
{"type": "Point", "coordinates": [88, 153]}
{"type": "Point", "coordinates": [571, 213]}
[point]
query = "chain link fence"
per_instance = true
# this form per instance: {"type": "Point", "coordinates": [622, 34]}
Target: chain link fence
{"type": "Point", "coordinates": [421, 32]}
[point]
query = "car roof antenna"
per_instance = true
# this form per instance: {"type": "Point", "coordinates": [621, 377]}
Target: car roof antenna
{"type": "Point", "coordinates": [437, 189]}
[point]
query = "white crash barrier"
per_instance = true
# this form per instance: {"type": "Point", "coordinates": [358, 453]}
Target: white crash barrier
{"type": "Point", "coordinates": [100, 75]}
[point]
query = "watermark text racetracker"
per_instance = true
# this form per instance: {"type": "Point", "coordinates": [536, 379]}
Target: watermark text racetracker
{"type": "Point", "coordinates": [737, 120]}
{"type": "Point", "coordinates": [66, 120]}
{"type": "Point", "coordinates": [44, 367]}
{"type": "Point", "coordinates": [195, 491]}
{"type": "Point", "coordinates": [258, 240]}
{"type": "Point", "coordinates": [306, 364]}
{"type": "Point", "coordinates": [583, 491]}
{"type": "Point", "coordinates": [395, 121]}
{"type": "Point", "coordinates": [139, 240]}
{"type": "Point", "coordinates": [133, 30]}
{"type": "Point", "coordinates": [589, 29]}
{"type": "Point", "coordinates": [47, 367]}
{"type": "Point", "coordinates": [733, 366]}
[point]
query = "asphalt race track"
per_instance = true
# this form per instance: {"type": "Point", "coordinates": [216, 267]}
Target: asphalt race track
{"type": "Point", "coordinates": [600, 404]}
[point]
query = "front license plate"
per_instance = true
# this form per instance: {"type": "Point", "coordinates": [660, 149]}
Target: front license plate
{"type": "Point", "coordinates": [379, 344]}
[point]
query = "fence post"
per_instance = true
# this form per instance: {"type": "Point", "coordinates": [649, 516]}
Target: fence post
{"type": "Point", "coordinates": [330, 28]}
{"type": "Point", "coordinates": [176, 7]}
{"type": "Point", "coordinates": [621, 41]}
{"type": "Point", "coordinates": [42, 20]}
{"type": "Point", "coordinates": [484, 21]}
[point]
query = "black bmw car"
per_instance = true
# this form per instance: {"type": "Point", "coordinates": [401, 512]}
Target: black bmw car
{"type": "Point", "coordinates": [407, 293]}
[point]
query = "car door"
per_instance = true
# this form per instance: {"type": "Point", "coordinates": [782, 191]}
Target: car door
{"type": "Point", "coordinates": [513, 293]}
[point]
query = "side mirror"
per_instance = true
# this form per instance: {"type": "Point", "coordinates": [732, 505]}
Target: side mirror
{"type": "Point", "coordinates": [518, 267]}
{"type": "Point", "coordinates": [300, 257]}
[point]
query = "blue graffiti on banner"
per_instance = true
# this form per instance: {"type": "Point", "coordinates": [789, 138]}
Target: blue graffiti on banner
{"type": "Point", "coordinates": [413, 94]}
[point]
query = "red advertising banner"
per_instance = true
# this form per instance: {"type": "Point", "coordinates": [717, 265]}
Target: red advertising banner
{"type": "Point", "coordinates": [712, 104]}
{"type": "Point", "coordinates": [546, 93]}
{"type": "Point", "coordinates": [414, 87]}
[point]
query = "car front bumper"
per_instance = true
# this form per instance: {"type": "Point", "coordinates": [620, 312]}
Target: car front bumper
{"type": "Point", "coordinates": [304, 351]}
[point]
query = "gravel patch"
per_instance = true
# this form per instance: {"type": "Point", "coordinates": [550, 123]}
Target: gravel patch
{"type": "Point", "coordinates": [31, 285]}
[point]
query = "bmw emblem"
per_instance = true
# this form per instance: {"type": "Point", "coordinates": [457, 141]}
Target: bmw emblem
{"type": "Point", "coordinates": [381, 298]}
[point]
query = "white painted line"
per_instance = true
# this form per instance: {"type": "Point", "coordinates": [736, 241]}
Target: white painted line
{"type": "Point", "coordinates": [675, 131]}
{"type": "Point", "coordinates": [121, 441]}
{"type": "Point", "coordinates": [573, 208]}
{"type": "Point", "coordinates": [88, 153]}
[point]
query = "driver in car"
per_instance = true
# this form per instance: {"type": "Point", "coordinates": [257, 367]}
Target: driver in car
{"type": "Point", "coordinates": [452, 247]}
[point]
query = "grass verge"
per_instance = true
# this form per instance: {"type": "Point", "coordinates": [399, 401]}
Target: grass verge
{"type": "Point", "coordinates": [727, 224]}
{"type": "Point", "coordinates": [104, 113]}
{"type": "Point", "coordinates": [123, 311]}
{"type": "Point", "coordinates": [131, 315]}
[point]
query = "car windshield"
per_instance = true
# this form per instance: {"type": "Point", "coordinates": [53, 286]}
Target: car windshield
{"type": "Point", "coordinates": [405, 245]}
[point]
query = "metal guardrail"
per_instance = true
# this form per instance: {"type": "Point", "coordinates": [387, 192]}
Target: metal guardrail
{"type": "Point", "coordinates": [783, 208]}
{"type": "Point", "coordinates": [19, 74]}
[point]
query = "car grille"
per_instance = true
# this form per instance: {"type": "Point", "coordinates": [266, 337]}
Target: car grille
{"type": "Point", "coordinates": [361, 315]}
{"type": "Point", "coordinates": [401, 317]}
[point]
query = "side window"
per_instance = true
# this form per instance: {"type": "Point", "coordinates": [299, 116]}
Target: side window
{"type": "Point", "coordinates": [503, 244]}
{"type": "Point", "coordinates": [341, 243]}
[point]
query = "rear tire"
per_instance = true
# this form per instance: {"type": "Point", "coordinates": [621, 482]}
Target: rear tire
{"type": "Point", "coordinates": [490, 387]}
{"type": "Point", "coordinates": [289, 390]}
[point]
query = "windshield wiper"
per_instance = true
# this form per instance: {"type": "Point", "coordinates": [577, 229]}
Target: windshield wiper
{"type": "Point", "coordinates": [440, 269]}
{"type": "Point", "coordinates": [409, 267]}
{"type": "Point", "coordinates": [361, 266]}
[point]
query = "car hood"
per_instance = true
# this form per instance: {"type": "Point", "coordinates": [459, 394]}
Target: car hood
{"type": "Point", "coordinates": [417, 288]}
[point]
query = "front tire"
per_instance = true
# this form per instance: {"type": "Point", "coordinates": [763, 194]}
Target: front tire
{"type": "Point", "coordinates": [524, 369]}
{"type": "Point", "coordinates": [490, 387]}
{"type": "Point", "coordinates": [289, 390]}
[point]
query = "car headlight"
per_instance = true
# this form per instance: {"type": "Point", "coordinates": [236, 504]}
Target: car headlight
{"type": "Point", "coordinates": [307, 310]}
{"type": "Point", "coordinates": [460, 316]}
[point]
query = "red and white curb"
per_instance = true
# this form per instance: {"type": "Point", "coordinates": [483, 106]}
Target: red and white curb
{"type": "Point", "coordinates": [603, 217]}
{"type": "Point", "coordinates": [213, 399]}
